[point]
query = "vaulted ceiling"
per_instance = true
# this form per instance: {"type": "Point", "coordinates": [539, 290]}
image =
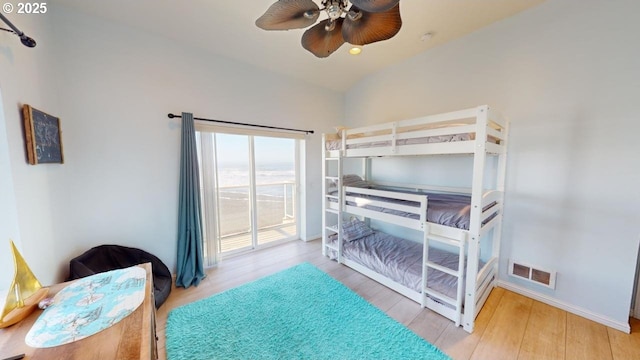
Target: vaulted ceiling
{"type": "Point", "coordinates": [227, 28]}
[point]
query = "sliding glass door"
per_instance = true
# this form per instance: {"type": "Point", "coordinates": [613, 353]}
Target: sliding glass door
{"type": "Point", "coordinates": [234, 196]}
{"type": "Point", "coordinates": [249, 185]}
{"type": "Point", "coordinates": [275, 164]}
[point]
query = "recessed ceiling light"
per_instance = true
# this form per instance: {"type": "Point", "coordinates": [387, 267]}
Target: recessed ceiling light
{"type": "Point", "coordinates": [356, 50]}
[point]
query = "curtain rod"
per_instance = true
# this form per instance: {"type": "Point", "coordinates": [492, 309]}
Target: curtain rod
{"type": "Point", "coordinates": [171, 116]}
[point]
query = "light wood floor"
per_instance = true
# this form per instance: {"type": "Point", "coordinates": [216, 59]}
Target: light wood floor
{"type": "Point", "coordinates": [510, 326]}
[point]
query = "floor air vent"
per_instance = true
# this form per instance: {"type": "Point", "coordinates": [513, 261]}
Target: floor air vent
{"type": "Point", "coordinates": [541, 277]}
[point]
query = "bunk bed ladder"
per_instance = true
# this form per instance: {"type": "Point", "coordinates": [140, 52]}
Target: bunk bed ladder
{"type": "Point", "coordinates": [459, 274]}
{"type": "Point", "coordinates": [477, 186]}
{"type": "Point", "coordinates": [329, 229]}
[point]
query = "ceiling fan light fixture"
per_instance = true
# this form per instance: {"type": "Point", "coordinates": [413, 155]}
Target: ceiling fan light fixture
{"type": "Point", "coordinates": [355, 50]}
{"type": "Point", "coordinates": [334, 10]}
{"type": "Point", "coordinates": [358, 22]}
{"type": "Point", "coordinates": [354, 15]}
{"type": "Point", "coordinates": [330, 26]}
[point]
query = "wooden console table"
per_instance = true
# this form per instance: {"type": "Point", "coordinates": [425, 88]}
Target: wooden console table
{"type": "Point", "coordinates": [132, 338]}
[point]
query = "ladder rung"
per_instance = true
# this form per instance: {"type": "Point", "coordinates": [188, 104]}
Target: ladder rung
{"type": "Point", "coordinates": [446, 240]}
{"type": "Point", "coordinates": [444, 269]}
{"type": "Point", "coordinates": [331, 197]}
{"type": "Point", "coordinates": [335, 178]}
{"type": "Point", "coordinates": [332, 158]}
{"type": "Point", "coordinates": [331, 247]}
{"type": "Point", "coordinates": [331, 211]}
{"type": "Point", "coordinates": [441, 296]}
{"type": "Point", "coordinates": [331, 228]}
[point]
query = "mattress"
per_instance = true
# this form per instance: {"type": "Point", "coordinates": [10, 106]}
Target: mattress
{"type": "Point", "coordinates": [401, 261]}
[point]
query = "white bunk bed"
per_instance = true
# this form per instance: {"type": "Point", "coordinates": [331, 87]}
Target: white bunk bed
{"type": "Point", "coordinates": [477, 132]}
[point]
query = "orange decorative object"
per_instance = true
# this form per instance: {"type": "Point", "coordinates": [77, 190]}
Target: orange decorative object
{"type": "Point", "coordinates": [24, 294]}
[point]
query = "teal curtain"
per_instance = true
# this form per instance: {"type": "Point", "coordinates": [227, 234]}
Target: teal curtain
{"type": "Point", "coordinates": [190, 269]}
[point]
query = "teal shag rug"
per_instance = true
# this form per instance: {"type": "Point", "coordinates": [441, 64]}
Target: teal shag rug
{"type": "Point", "coordinates": [298, 313]}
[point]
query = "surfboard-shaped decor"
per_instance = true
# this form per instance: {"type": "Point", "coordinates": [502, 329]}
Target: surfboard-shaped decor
{"type": "Point", "coordinates": [24, 293]}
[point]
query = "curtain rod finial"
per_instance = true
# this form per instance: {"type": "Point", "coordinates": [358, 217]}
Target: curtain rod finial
{"type": "Point", "coordinates": [171, 116]}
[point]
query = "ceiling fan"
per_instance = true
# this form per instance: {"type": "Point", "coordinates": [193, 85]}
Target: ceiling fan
{"type": "Point", "coordinates": [364, 22]}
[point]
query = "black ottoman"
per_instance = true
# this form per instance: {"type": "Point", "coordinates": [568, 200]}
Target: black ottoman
{"type": "Point", "coordinates": [111, 257]}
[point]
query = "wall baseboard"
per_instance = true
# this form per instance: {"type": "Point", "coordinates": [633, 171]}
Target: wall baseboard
{"type": "Point", "coordinates": [601, 319]}
{"type": "Point", "coordinates": [311, 238]}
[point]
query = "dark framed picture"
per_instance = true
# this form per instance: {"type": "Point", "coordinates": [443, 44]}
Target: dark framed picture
{"type": "Point", "coordinates": [43, 137]}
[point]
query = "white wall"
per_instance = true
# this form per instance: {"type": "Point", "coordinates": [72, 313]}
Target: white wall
{"type": "Point", "coordinates": [566, 75]}
{"type": "Point", "coordinates": [8, 214]}
{"type": "Point", "coordinates": [25, 206]}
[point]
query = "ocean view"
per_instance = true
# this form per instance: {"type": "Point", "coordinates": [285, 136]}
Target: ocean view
{"type": "Point", "coordinates": [275, 196]}
{"type": "Point", "coordinates": [238, 174]}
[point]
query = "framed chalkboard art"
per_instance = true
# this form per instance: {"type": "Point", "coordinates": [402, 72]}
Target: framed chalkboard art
{"type": "Point", "coordinates": [43, 137]}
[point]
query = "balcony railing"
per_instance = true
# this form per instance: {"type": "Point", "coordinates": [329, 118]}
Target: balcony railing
{"type": "Point", "coordinates": [275, 204]}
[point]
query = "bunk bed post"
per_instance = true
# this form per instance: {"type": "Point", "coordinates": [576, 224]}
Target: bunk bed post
{"type": "Point", "coordinates": [461, 275]}
{"type": "Point", "coordinates": [341, 207]}
{"type": "Point", "coordinates": [425, 249]}
{"type": "Point", "coordinates": [366, 168]}
{"type": "Point", "coordinates": [394, 137]}
{"type": "Point", "coordinates": [324, 198]}
{"type": "Point", "coordinates": [479, 160]}
{"type": "Point", "coordinates": [366, 175]}
{"type": "Point", "coordinates": [343, 147]}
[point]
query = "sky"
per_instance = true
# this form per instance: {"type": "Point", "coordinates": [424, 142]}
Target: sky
{"type": "Point", "coordinates": [233, 149]}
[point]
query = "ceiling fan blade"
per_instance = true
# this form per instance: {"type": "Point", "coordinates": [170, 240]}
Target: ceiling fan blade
{"type": "Point", "coordinates": [375, 5]}
{"type": "Point", "coordinates": [372, 27]}
{"type": "Point", "coordinates": [321, 42]}
{"type": "Point", "coordinates": [289, 14]}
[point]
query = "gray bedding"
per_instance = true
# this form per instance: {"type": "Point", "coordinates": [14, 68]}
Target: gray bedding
{"type": "Point", "coordinates": [444, 209]}
{"type": "Point", "coordinates": [401, 261]}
